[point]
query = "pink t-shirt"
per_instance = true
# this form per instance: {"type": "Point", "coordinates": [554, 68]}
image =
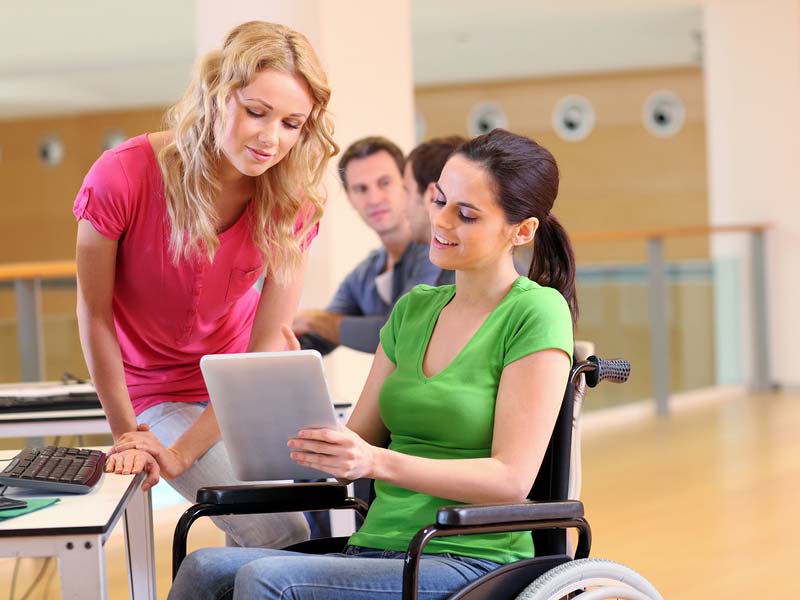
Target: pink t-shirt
{"type": "Point", "coordinates": [167, 316]}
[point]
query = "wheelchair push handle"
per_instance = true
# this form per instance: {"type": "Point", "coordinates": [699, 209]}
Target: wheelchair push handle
{"type": "Point", "coordinates": [616, 370]}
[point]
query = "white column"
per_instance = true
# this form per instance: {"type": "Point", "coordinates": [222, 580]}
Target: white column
{"type": "Point", "coordinates": [752, 79]}
{"type": "Point", "coordinates": [366, 50]}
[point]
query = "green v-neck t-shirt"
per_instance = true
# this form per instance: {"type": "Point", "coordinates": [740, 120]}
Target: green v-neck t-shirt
{"type": "Point", "coordinates": [450, 415]}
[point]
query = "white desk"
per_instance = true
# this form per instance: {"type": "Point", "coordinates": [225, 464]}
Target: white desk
{"type": "Point", "coordinates": [38, 423]}
{"type": "Point", "coordinates": [75, 529]}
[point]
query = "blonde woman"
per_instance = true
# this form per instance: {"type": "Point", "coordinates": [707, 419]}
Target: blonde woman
{"type": "Point", "coordinates": [175, 227]}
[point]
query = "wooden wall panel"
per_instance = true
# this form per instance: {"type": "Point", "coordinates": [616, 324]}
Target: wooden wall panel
{"type": "Point", "coordinates": [37, 222]}
{"type": "Point", "coordinates": [621, 176]}
{"type": "Point", "coordinates": [36, 199]}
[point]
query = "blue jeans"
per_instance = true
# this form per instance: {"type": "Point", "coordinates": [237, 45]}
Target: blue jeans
{"type": "Point", "coordinates": [357, 574]}
{"type": "Point", "coordinates": [168, 421]}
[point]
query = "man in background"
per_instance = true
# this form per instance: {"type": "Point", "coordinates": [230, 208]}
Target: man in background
{"type": "Point", "coordinates": [422, 170]}
{"type": "Point", "coordinates": [371, 170]}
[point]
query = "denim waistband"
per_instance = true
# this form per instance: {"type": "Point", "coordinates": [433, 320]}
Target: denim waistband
{"type": "Point", "coordinates": [366, 552]}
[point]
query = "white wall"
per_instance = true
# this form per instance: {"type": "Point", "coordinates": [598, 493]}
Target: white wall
{"type": "Point", "coordinates": [366, 50]}
{"type": "Point", "coordinates": [752, 77]}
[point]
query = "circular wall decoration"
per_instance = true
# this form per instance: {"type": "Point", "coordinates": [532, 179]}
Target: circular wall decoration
{"type": "Point", "coordinates": [51, 151]}
{"type": "Point", "coordinates": [484, 117]}
{"type": "Point", "coordinates": [420, 126]}
{"type": "Point", "coordinates": [573, 118]}
{"type": "Point", "coordinates": [113, 138]}
{"type": "Point", "coordinates": [664, 113]}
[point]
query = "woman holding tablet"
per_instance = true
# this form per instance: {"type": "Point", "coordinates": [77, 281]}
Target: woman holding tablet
{"type": "Point", "coordinates": [174, 229]}
{"type": "Point", "coordinates": [459, 404]}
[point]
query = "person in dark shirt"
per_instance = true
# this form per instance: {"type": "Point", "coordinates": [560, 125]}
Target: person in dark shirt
{"type": "Point", "coordinates": [371, 170]}
{"type": "Point", "coordinates": [421, 172]}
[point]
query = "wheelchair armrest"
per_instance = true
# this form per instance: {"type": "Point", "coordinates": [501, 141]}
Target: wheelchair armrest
{"type": "Point", "coordinates": [495, 518]}
{"type": "Point", "coordinates": [497, 514]}
{"type": "Point", "coordinates": [256, 499]}
{"type": "Point", "coordinates": [277, 497]}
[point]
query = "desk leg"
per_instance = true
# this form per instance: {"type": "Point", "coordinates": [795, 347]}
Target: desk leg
{"type": "Point", "coordinates": [139, 546]}
{"type": "Point", "coordinates": [81, 561]}
{"type": "Point", "coordinates": [82, 568]}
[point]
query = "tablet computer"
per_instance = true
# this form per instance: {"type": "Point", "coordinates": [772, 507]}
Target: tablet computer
{"type": "Point", "coordinates": [261, 399]}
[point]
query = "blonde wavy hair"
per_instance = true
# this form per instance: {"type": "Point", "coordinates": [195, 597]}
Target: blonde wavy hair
{"type": "Point", "coordinates": [189, 163]}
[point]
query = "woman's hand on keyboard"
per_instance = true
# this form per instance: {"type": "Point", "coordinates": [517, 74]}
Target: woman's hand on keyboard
{"type": "Point", "coordinates": [170, 462]}
{"type": "Point", "coordinates": [134, 461]}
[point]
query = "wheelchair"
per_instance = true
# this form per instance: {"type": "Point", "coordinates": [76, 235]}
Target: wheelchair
{"type": "Point", "coordinates": [553, 574]}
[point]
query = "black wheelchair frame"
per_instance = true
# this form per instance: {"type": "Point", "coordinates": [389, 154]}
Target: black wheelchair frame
{"type": "Point", "coordinates": [547, 515]}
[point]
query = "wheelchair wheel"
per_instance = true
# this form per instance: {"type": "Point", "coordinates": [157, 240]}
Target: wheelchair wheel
{"type": "Point", "coordinates": [590, 579]}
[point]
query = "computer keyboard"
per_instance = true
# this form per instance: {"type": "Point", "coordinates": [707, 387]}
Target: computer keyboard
{"type": "Point", "coordinates": [47, 396]}
{"type": "Point", "coordinates": [55, 469]}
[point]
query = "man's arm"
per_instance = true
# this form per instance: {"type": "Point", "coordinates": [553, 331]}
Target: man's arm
{"type": "Point", "coordinates": [363, 332]}
{"type": "Point", "coordinates": [319, 329]}
{"type": "Point", "coordinates": [359, 331]}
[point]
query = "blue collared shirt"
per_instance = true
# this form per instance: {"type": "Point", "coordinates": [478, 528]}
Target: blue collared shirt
{"type": "Point", "coordinates": [365, 311]}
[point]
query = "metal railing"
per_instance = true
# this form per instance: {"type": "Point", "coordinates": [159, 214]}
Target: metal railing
{"type": "Point", "coordinates": [658, 298]}
{"type": "Point", "coordinates": [27, 280]}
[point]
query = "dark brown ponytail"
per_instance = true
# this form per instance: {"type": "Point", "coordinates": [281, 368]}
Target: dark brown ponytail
{"type": "Point", "coordinates": [553, 261]}
{"type": "Point", "coordinates": [526, 177]}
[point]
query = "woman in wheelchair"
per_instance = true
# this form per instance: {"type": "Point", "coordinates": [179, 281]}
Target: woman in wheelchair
{"type": "Point", "coordinates": [459, 403]}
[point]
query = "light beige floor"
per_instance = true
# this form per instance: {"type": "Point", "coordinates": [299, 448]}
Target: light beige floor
{"type": "Point", "coordinates": [702, 503]}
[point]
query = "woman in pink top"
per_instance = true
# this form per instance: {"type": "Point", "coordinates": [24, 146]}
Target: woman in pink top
{"type": "Point", "coordinates": [174, 229]}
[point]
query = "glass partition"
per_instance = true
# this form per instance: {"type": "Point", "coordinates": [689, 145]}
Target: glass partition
{"type": "Point", "coordinates": [615, 316]}
{"type": "Point", "coordinates": [62, 350]}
